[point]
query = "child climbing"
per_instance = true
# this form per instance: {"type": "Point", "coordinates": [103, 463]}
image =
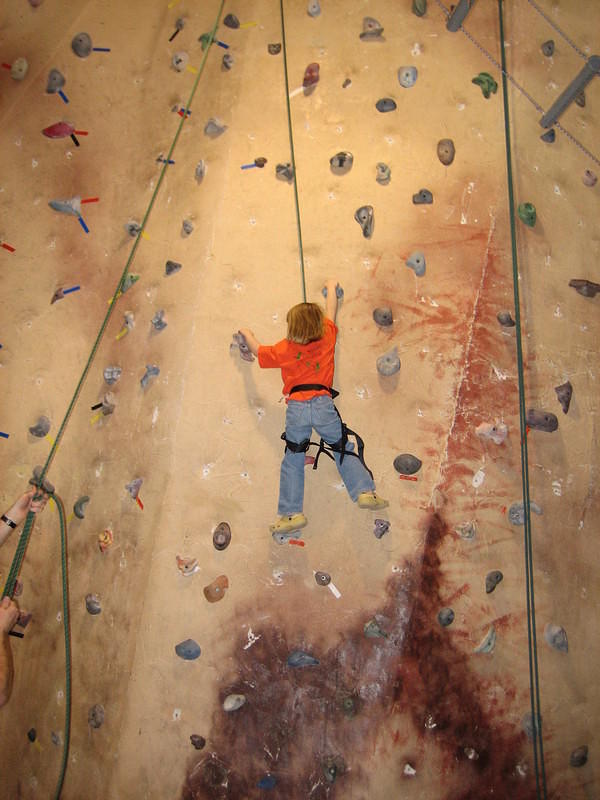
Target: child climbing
{"type": "Point", "coordinates": [306, 360]}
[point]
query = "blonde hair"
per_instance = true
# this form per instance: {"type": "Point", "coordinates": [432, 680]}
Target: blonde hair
{"type": "Point", "coordinates": [306, 323]}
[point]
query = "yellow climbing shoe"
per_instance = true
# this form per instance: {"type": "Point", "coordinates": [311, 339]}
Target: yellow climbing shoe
{"type": "Point", "coordinates": [291, 523]}
{"type": "Point", "coordinates": [371, 501]}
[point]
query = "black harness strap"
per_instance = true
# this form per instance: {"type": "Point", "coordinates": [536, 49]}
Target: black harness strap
{"type": "Point", "coordinates": [308, 387]}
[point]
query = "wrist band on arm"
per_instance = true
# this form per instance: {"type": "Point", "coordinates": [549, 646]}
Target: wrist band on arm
{"type": "Point", "coordinates": [8, 521]}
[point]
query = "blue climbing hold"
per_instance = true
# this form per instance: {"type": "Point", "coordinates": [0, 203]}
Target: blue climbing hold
{"type": "Point", "coordinates": [298, 658]}
{"type": "Point", "coordinates": [189, 650]}
{"type": "Point", "coordinates": [268, 782]}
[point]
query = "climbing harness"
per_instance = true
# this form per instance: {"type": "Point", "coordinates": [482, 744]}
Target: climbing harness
{"type": "Point", "coordinates": [326, 447]}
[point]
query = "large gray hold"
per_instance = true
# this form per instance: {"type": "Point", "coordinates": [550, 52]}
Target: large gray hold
{"type": "Point", "coordinates": [151, 371]}
{"type": "Point", "coordinates": [383, 317]}
{"type": "Point", "coordinates": [365, 218]}
{"type": "Point", "coordinates": [35, 480]}
{"type": "Point", "coordinates": [372, 29]}
{"type": "Point", "coordinates": [407, 77]}
{"type": "Point", "coordinates": [541, 420]}
{"type": "Point", "coordinates": [112, 374]}
{"type": "Point", "coordinates": [556, 637]}
{"type": "Point", "coordinates": [407, 464]}
{"type": "Point", "coordinates": [81, 45]}
{"type": "Point", "coordinates": [445, 617]}
{"type": "Point", "coordinates": [56, 80]}
{"type": "Point", "coordinates": [564, 392]}
{"type": "Point", "coordinates": [505, 319]}
{"type": "Point", "coordinates": [189, 650]}
{"type": "Point", "coordinates": [41, 427]}
{"type": "Point", "coordinates": [579, 756]}
{"type": "Point", "coordinates": [158, 320]}
{"type": "Point", "coordinates": [96, 716]}
{"type": "Point", "coordinates": [416, 262]}
{"type": "Point", "coordinates": [516, 513]}
{"type": "Point", "coordinates": [71, 206]}
{"type": "Point", "coordinates": [341, 162]}
{"type": "Point", "coordinates": [389, 363]}
{"type": "Point", "coordinates": [171, 267]}
{"type": "Point", "coordinates": [492, 579]}
{"type": "Point", "coordinates": [381, 527]}
{"type": "Point", "coordinates": [214, 127]}
{"type": "Point", "coordinates": [314, 9]}
{"type": "Point", "coordinates": [231, 21]}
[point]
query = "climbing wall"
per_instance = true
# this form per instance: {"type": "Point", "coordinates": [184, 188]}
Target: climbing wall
{"type": "Point", "coordinates": [423, 683]}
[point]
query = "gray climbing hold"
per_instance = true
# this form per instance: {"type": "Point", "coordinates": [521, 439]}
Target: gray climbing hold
{"type": "Point", "coordinates": [548, 48]}
{"type": "Point", "coordinates": [92, 604]}
{"type": "Point", "coordinates": [35, 480]}
{"type": "Point", "coordinates": [541, 420]}
{"type": "Point", "coordinates": [579, 756]}
{"type": "Point", "coordinates": [41, 427]}
{"type": "Point", "coordinates": [389, 363]}
{"type": "Point", "coordinates": [407, 464]}
{"type": "Point", "coordinates": [580, 99]}
{"type": "Point", "coordinates": [516, 513]}
{"type": "Point", "coordinates": [492, 579]}
{"type": "Point", "coordinates": [381, 527]}
{"type": "Point", "coordinates": [341, 162]}
{"type": "Point", "coordinates": [466, 530]}
{"type": "Point", "coordinates": [323, 578]}
{"type": "Point", "coordinates": [446, 151]}
{"type": "Point", "coordinates": [112, 374]}
{"type": "Point", "coordinates": [56, 80]}
{"type": "Point", "coordinates": [222, 536]}
{"type": "Point", "coordinates": [19, 68]}
{"type": "Point", "coordinates": [233, 702]}
{"type": "Point", "coordinates": [281, 537]}
{"type": "Point", "coordinates": [488, 642]}
{"type": "Point", "coordinates": [372, 30]}
{"type": "Point", "coordinates": [158, 321]}
{"type": "Point", "coordinates": [134, 487]}
{"type": "Point", "coordinates": [314, 9]}
{"type": "Point", "coordinates": [584, 287]}
{"type": "Point", "coordinates": [200, 171]}
{"type": "Point", "coordinates": [187, 228]}
{"type": "Point", "coordinates": [445, 617]}
{"type": "Point", "coordinates": [151, 371]}
{"type": "Point", "coordinates": [505, 319]}
{"type": "Point", "coordinates": [365, 218]}
{"type": "Point", "coordinates": [422, 198]}
{"type": "Point", "coordinates": [128, 281]}
{"type": "Point", "coordinates": [383, 317]}
{"type": "Point", "coordinates": [298, 658]}
{"type": "Point", "coordinates": [198, 742]}
{"type": "Point", "coordinates": [133, 228]}
{"type": "Point", "coordinates": [373, 630]}
{"type": "Point", "coordinates": [96, 716]}
{"type": "Point", "coordinates": [239, 341]}
{"type": "Point", "coordinates": [549, 137]}
{"type": "Point", "coordinates": [416, 262]}
{"type": "Point", "coordinates": [385, 104]}
{"type": "Point", "coordinates": [284, 172]}
{"type": "Point", "coordinates": [407, 76]}
{"type": "Point", "coordinates": [383, 174]}
{"type": "Point", "coordinates": [556, 637]}
{"type": "Point", "coordinates": [589, 178]}
{"type": "Point", "coordinates": [179, 61]}
{"type": "Point", "coordinates": [496, 432]}
{"type": "Point", "coordinates": [419, 8]}
{"type": "Point", "coordinates": [227, 61]}
{"type": "Point", "coordinates": [81, 45]}
{"type": "Point", "coordinates": [189, 650]}
{"type": "Point", "coordinates": [333, 766]}
{"type": "Point", "coordinates": [564, 393]}
{"type": "Point", "coordinates": [231, 21]}
{"type": "Point", "coordinates": [71, 206]}
{"type": "Point", "coordinates": [79, 506]}
{"type": "Point", "coordinates": [274, 49]}
{"type": "Point", "coordinates": [214, 127]}
{"type": "Point", "coordinates": [172, 267]}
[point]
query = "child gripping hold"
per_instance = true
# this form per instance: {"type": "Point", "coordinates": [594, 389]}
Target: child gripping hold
{"type": "Point", "coordinates": [306, 359]}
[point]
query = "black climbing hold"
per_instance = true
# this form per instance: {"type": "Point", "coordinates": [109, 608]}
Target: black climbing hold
{"type": "Point", "coordinates": [231, 21]}
{"type": "Point", "coordinates": [56, 80]}
{"type": "Point", "coordinates": [92, 604]}
{"type": "Point", "coordinates": [385, 104]}
{"type": "Point", "coordinates": [407, 464]}
{"type": "Point", "coordinates": [32, 734]}
{"type": "Point", "coordinates": [383, 174]}
{"type": "Point", "coordinates": [445, 617]}
{"type": "Point", "coordinates": [222, 536]}
{"type": "Point", "coordinates": [79, 507]}
{"type": "Point", "coordinates": [197, 741]}
{"type": "Point", "coordinates": [580, 99]}
{"type": "Point", "coordinates": [419, 7]}
{"type": "Point", "coordinates": [556, 637]}
{"type": "Point", "coordinates": [298, 658]}
{"type": "Point", "coordinates": [584, 287]}
{"type": "Point", "coordinates": [564, 392]}
{"type": "Point", "coordinates": [505, 319]}
{"type": "Point", "coordinates": [446, 151]}
{"type": "Point", "coordinates": [383, 316]}
{"type": "Point", "coordinates": [422, 197]}
{"type": "Point", "coordinates": [541, 420]}
{"type": "Point", "coordinates": [81, 45]}
{"type": "Point", "coordinates": [579, 756]}
{"type": "Point", "coordinates": [189, 650]}
{"type": "Point", "coordinates": [549, 137]}
{"type": "Point", "coordinates": [371, 29]}
{"type": "Point", "coordinates": [323, 578]}
{"type": "Point", "coordinates": [492, 579]}
{"type": "Point", "coordinates": [589, 178]}
{"type": "Point", "coordinates": [96, 716]}
{"type": "Point", "coordinates": [341, 162]}
{"type": "Point", "coordinates": [382, 526]}
{"type": "Point", "coordinates": [260, 162]}
{"type": "Point", "coordinates": [389, 363]}
{"type": "Point", "coordinates": [364, 217]}
{"type": "Point", "coordinates": [548, 48]}
{"type": "Point", "coordinates": [171, 267]}
{"type": "Point", "coordinates": [187, 227]}
{"type": "Point", "coordinates": [227, 61]}
{"type": "Point", "coordinates": [41, 427]}
{"type": "Point", "coordinates": [274, 49]}
{"type": "Point", "coordinates": [333, 766]}
{"type": "Point", "coordinates": [284, 172]}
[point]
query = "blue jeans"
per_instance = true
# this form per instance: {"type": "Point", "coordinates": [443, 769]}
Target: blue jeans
{"type": "Point", "coordinates": [301, 417]}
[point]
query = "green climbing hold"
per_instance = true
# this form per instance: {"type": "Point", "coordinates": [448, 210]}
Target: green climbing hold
{"type": "Point", "coordinates": [527, 214]}
{"type": "Point", "coordinates": [487, 84]}
{"type": "Point", "coordinates": [419, 7]}
{"type": "Point", "coordinates": [205, 40]}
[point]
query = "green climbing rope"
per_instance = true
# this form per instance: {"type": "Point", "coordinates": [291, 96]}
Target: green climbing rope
{"type": "Point", "coordinates": [67, 630]}
{"type": "Point", "coordinates": [293, 157]}
{"type": "Point", "coordinates": [538, 748]}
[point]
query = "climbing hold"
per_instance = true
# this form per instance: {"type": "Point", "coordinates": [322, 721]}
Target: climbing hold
{"type": "Point", "coordinates": [298, 658]}
{"type": "Point", "coordinates": [41, 427]}
{"type": "Point", "coordinates": [96, 716]}
{"type": "Point", "coordinates": [284, 537]}
{"type": "Point", "coordinates": [200, 171]}
{"type": "Point", "coordinates": [260, 162]}
{"type": "Point", "coordinates": [549, 137]}
{"type": "Point", "coordinates": [71, 206]}
{"type": "Point", "coordinates": [314, 9]}
{"type": "Point", "coordinates": [134, 487]}
{"type": "Point", "coordinates": [227, 61]}
{"type": "Point", "coordinates": [233, 702]}
{"type": "Point", "coordinates": [416, 262]}
{"type": "Point", "coordinates": [407, 464]}
{"type": "Point", "coordinates": [332, 767]}
{"type": "Point", "coordinates": [206, 40]}
{"type": "Point", "coordinates": [214, 127]}
{"type": "Point", "coordinates": [548, 48]}
{"type": "Point", "coordinates": [189, 650]}
{"type": "Point", "coordinates": [564, 392]}
{"type": "Point", "coordinates": [133, 228]}
{"type": "Point", "coordinates": [419, 7]}
{"type": "Point", "coordinates": [528, 725]}
{"type": "Point", "coordinates": [373, 630]}
{"type": "Point", "coordinates": [311, 75]}
{"type": "Point", "coordinates": [267, 781]}
{"type": "Point", "coordinates": [215, 591]}
{"type": "Point", "coordinates": [79, 506]}
{"type": "Point", "coordinates": [383, 174]}
{"type": "Point", "coordinates": [323, 578]}
{"type": "Point", "coordinates": [349, 707]}
{"type": "Point", "coordinates": [382, 526]}
{"type": "Point", "coordinates": [389, 363]}
{"type": "Point", "coordinates": [19, 68]}
{"type": "Point", "coordinates": [179, 61]}
{"type": "Point", "coordinates": [239, 341]}
{"type": "Point", "coordinates": [589, 178]}
{"type": "Point", "coordinates": [486, 83]}
{"type": "Point", "coordinates": [516, 513]}
{"type": "Point", "coordinates": [579, 756]}
{"type": "Point", "coordinates": [35, 481]}
{"type": "Point", "coordinates": [466, 530]}
{"type": "Point", "coordinates": [556, 637]}
{"type": "Point", "coordinates": [487, 643]}
{"type": "Point", "coordinates": [56, 80]}
{"type": "Point", "coordinates": [422, 197]}
{"type": "Point", "coordinates": [158, 321]}
{"type": "Point", "coordinates": [496, 432]}
{"type": "Point", "coordinates": [541, 420]}
{"type": "Point", "coordinates": [339, 292]}
{"type": "Point", "coordinates": [505, 319]}
{"type": "Point", "coordinates": [112, 374]}
{"type": "Point", "coordinates": [372, 30]}
{"type": "Point", "coordinates": [445, 617]}
{"type": "Point", "coordinates": [171, 267]}
{"type": "Point", "coordinates": [383, 317]}
{"type": "Point", "coordinates": [105, 540]}
{"type": "Point", "coordinates": [341, 162]}
{"type": "Point", "coordinates": [580, 99]}
{"type": "Point", "coordinates": [407, 76]}
{"type": "Point", "coordinates": [92, 603]}
{"type": "Point", "coordinates": [81, 45]}
{"type": "Point", "coordinates": [32, 734]}
{"type": "Point", "coordinates": [151, 371]}
{"type": "Point", "coordinates": [347, 82]}
{"type": "Point", "coordinates": [222, 536]}
{"type": "Point", "coordinates": [128, 322]}
{"type": "Point", "coordinates": [527, 214]}
{"type": "Point", "coordinates": [274, 49]}
{"type": "Point", "coordinates": [446, 151]}
{"type": "Point", "coordinates": [128, 281]}
{"type": "Point", "coordinates": [385, 104]}
{"type": "Point", "coordinates": [365, 218]}
{"type": "Point", "coordinates": [584, 287]}
{"type": "Point", "coordinates": [284, 172]}
{"type": "Point", "coordinates": [231, 21]}
{"type": "Point", "coordinates": [492, 579]}
{"type": "Point", "coordinates": [187, 566]}
{"type": "Point", "coordinates": [199, 742]}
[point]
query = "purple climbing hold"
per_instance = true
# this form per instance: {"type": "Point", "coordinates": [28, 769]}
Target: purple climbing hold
{"type": "Point", "coordinates": [541, 420]}
{"type": "Point", "coordinates": [382, 526]}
